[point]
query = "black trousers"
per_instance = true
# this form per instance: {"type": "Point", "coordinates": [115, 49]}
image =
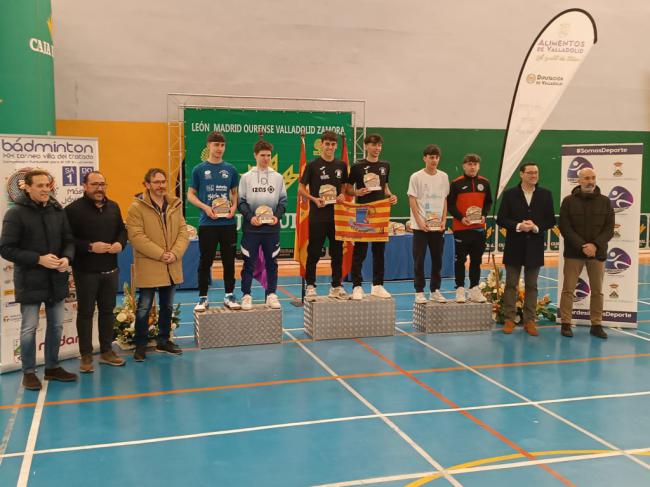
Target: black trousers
{"type": "Point", "coordinates": [359, 254]}
{"type": "Point", "coordinates": [225, 237]}
{"type": "Point", "coordinates": [435, 241]}
{"type": "Point", "coordinates": [100, 288]}
{"type": "Point", "coordinates": [318, 232]}
{"type": "Point", "coordinates": [472, 243]}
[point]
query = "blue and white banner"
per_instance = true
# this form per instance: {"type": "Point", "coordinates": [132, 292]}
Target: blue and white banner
{"type": "Point", "coordinates": [618, 175]}
{"type": "Point", "coordinates": [67, 159]}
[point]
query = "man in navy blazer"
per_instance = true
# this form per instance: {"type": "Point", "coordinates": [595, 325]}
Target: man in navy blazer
{"type": "Point", "coordinates": [526, 213]}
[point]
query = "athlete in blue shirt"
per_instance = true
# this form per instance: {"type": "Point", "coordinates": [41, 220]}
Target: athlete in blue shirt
{"type": "Point", "coordinates": [213, 189]}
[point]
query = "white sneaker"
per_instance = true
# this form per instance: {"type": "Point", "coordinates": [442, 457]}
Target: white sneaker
{"type": "Point", "coordinates": [420, 298]}
{"type": "Point", "coordinates": [437, 297]}
{"type": "Point", "coordinates": [379, 292]}
{"type": "Point", "coordinates": [230, 302]}
{"type": "Point", "coordinates": [273, 302]}
{"type": "Point", "coordinates": [460, 295]}
{"type": "Point", "coordinates": [338, 293]}
{"type": "Point", "coordinates": [476, 296]}
{"type": "Point", "coordinates": [357, 293]}
{"type": "Point", "coordinates": [247, 302]}
{"type": "Point", "coordinates": [310, 293]}
{"type": "Point", "coordinates": [202, 305]}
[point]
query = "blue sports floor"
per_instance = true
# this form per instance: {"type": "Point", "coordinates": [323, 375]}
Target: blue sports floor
{"type": "Point", "coordinates": [475, 409]}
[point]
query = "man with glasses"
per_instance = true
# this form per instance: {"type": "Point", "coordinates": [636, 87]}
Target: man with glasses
{"type": "Point", "coordinates": [158, 233]}
{"type": "Point", "coordinates": [526, 212]}
{"type": "Point", "coordinates": [100, 235]}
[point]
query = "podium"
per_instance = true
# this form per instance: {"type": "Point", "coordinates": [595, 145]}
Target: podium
{"type": "Point", "coordinates": [223, 327]}
{"type": "Point", "coordinates": [432, 317]}
{"type": "Point", "coordinates": [329, 318]}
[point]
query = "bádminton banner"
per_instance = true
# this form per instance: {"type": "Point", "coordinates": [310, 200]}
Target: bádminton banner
{"type": "Point", "coordinates": [241, 129]}
{"type": "Point", "coordinates": [618, 175]}
{"type": "Point", "coordinates": [362, 222]}
{"type": "Point", "coordinates": [67, 159]}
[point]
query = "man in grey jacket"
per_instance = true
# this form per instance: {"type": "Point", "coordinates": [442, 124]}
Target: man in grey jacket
{"type": "Point", "coordinates": [587, 225]}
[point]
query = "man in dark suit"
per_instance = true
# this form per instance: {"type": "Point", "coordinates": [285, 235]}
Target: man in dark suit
{"type": "Point", "coordinates": [526, 213]}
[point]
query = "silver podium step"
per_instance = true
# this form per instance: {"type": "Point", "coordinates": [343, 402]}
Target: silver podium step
{"type": "Point", "coordinates": [431, 317]}
{"type": "Point", "coordinates": [329, 318]}
{"type": "Point", "coordinates": [222, 327]}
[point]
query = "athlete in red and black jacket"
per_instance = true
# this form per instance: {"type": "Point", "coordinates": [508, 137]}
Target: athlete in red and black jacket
{"type": "Point", "coordinates": [469, 192]}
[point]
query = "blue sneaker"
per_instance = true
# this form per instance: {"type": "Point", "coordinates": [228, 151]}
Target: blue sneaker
{"type": "Point", "coordinates": [202, 305]}
{"type": "Point", "coordinates": [230, 302]}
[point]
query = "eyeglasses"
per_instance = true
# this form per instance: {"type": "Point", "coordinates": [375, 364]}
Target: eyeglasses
{"type": "Point", "coordinates": [159, 182]}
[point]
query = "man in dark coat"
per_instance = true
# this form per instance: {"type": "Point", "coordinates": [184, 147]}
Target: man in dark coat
{"type": "Point", "coordinates": [36, 237]}
{"type": "Point", "coordinates": [587, 225]}
{"type": "Point", "coordinates": [100, 235]}
{"type": "Point", "coordinates": [526, 213]}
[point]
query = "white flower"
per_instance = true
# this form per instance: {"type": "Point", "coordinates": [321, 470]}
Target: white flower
{"type": "Point", "coordinates": [174, 326]}
{"type": "Point", "coordinates": [121, 317]}
{"type": "Point", "coordinates": [131, 329]}
{"type": "Point", "coordinates": [481, 285]}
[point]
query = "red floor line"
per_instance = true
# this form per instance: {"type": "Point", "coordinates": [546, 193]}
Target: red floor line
{"type": "Point", "coordinates": [469, 416]}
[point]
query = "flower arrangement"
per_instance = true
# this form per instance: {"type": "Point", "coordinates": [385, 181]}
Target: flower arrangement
{"type": "Point", "coordinates": [124, 321]}
{"type": "Point", "coordinates": [492, 288]}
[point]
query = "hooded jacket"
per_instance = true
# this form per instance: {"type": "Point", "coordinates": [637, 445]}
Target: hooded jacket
{"type": "Point", "coordinates": [30, 230]}
{"type": "Point", "coordinates": [586, 218]}
{"type": "Point", "coordinates": [151, 236]}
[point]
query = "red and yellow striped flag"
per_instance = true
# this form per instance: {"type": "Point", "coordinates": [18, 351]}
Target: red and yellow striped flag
{"type": "Point", "coordinates": [348, 247]}
{"type": "Point", "coordinates": [362, 222]}
{"type": "Point", "coordinates": [302, 217]}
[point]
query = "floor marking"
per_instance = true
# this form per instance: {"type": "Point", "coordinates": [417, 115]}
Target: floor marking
{"type": "Point", "coordinates": [550, 279]}
{"type": "Point", "coordinates": [28, 455]}
{"type": "Point", "coordinates": [620, 330]}
{"type": "Point", "coordinates": [11, 422]}
{"type": "Point", "coordinates": [383, 417]}
{"type": "Point", "coordinates": [643, 302]}
{"type": "Point", "coordinates": [463, 412]}
{"type": "Point", "coordinates": [292, 297]}
{"type": "Point", "coordinates": [524, 398]}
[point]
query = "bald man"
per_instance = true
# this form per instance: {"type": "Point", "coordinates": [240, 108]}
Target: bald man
{"type": "Point", "coordinates": [587, 225]}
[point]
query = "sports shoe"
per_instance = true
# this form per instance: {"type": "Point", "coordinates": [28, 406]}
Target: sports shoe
{"type": "Point", "coordinates": [202, 305]}
{"type": "Point", "coordinates": [247, 302]}
{"type": "Point", "coordinates": [168, 347]}
{"type": "Point", "coordinates": [31, 382]}
{"type": "Point", "coordinates": [508, 327]}
{"type": "Point", "coordinates": [273, 302]}
{"type": "Point", "coordinates": [230, 302]}
{"type": "Point", "coordinates": [379, 292]}
{"type": "Point", "coordinates": [338, 292]}
{"type": "Point", "coordinates": [357, 293]}
{"type": "Point", "coordinates": [531, 328]}
{"type": "Point", "coordinates": [476, 296]}
{"type": "Point", "coordinates": [597, 331]}
{"type": "Point", "coordinates": [460, 294]}
{"type": "Point", "coordinates": [86, 364]}
{"type": "Point", "coordinates": [310, 293]}
{"type": "Point", "coordinates": [437, 297]}
{"type": "Point", "coordinates": [420, 298]}
{"type": "Point", "coordinates": [60, 374]}
{"type": "Point", "coordinates": [566, 330]}
{"type": "Point", "coordinates": [111, 358]}
{"type": "Point", "coordinates": [140, 354]}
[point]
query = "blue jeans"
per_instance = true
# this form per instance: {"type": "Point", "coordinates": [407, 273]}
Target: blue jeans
{"type": "Point", "coordinates": [250, 245]}
{"type": "Point", "coordinates": [28, 325]}
{"type": "Point", "coordinates": [166, 310]}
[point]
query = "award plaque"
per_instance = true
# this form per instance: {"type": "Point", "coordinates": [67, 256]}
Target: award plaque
{"type": "Point", "coordinates": [371, 181]}
{"type": "Point", "coordinates": [474, 215]}
{"type": "Point", "coordinates": [328, 193]}
{"type": "Point", "coordinates": [265, 215]}
{"type": "Point", "coordinates": [221, 207]}
{"type": "Point", "coordinates": [433, 221]}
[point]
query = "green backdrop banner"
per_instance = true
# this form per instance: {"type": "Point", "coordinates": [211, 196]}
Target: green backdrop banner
{"type": "Point", "coordinates": [27, 77]}
{"type": "Point", "coordinates": [281, 128]}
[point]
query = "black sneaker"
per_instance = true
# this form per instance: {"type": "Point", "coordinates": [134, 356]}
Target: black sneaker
{"type": "Point", "coordinates": [140, 354]}
{"type": "Point", "coordinates": [169, 347]}
{"type": "Point", "coordinates": [597, 331]}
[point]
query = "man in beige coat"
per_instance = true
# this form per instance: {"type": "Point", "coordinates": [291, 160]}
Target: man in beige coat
{"type": "Point", "coordinates": [158, 233]}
